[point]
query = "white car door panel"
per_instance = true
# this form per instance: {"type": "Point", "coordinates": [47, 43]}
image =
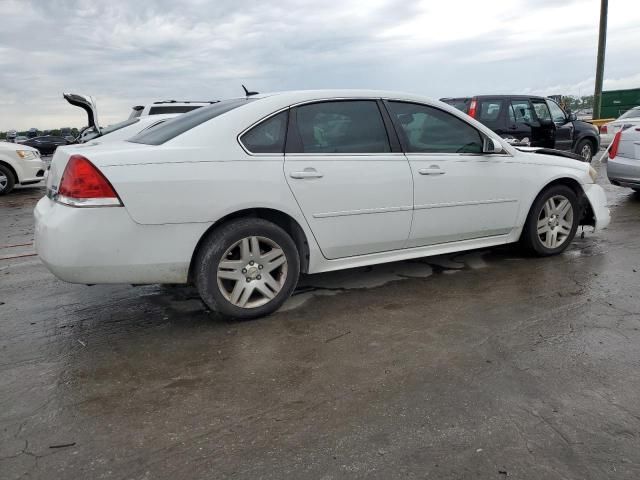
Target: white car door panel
{"type": "Point", "coordinates": [353, 204]}
{"type": "Point", "coordinates": [459, 192]}
{"type": "Point", "coordinates": [471, 196]}
{"type": "Point", "coordinates": [355, 193]}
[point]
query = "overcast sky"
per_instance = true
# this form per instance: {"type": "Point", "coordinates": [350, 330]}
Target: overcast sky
{"type": "Point", "coordinates": [132, 52]}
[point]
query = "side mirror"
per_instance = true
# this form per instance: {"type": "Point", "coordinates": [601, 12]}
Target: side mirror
{"type": "Point", "coordinates": [491, 146]}
{"type": "Point", "coordinates": [572, 117]}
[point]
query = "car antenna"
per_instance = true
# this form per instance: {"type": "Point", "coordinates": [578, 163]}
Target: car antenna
{"type": "Point", "coordinates": [247, 92]}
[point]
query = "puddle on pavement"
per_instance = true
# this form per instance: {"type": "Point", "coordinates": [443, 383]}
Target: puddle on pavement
{"type": "Point", "coordinates": [332, 283]}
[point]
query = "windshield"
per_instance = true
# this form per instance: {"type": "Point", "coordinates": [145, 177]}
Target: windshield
{"type": "Point", "coordinates": [177, 126]}
{"type": "Point", "coordinates": [634, 112]}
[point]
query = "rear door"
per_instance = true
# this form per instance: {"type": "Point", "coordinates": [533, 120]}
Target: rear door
{"type": "Point", "coordinates": [547, 130]}
{"type": "Point", "coordinates": [564, 128]}
{"type": "Point", "coordinates": [521, 120]}
{"type": "Point", "coordinates": [349, 176]}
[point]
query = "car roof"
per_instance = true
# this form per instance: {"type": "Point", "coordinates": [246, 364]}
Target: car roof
{"type": "Point", "coordinates": [295, 96]}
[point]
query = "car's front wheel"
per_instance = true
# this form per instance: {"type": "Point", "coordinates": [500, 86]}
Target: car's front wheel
{"type": "Point", "coordinates": [552, 221]}
{"type": "Point", "coordinates": [247, 268]}
{"type": "Point", "coordinates": [585, 150]}
{"type": "Point", "coordinates": [6, 180]}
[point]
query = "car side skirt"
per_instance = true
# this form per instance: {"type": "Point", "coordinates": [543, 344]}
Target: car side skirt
{"type": "Point", "coordinates": [411, 253]}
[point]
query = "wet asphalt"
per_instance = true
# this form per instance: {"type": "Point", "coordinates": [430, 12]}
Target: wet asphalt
{"type": "Point", "coordinates": [486, 364]}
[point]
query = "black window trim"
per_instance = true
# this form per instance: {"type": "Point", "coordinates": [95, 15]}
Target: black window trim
{"type": "Point", "coordinates": [258, 122]}
{"type": "Point", "coordinates": [403, 138]}
{"type": "Point", "coordinates": [294, 143]}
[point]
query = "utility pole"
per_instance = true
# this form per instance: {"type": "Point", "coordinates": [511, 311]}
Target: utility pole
{"type": "Point", "coordinates": [602, 43]}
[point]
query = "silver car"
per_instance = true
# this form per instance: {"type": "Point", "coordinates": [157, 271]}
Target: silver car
{"type": "Point", "coordinates": [623, 165]}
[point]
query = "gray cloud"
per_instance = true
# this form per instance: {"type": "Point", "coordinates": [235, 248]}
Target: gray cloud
{"type": "Point", "coordinates": [126, 53]}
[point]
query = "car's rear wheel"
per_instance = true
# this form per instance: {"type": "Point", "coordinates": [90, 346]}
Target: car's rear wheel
{"type": "Point", "coordinates": [247, 268]}
{"type": "Point", "coordinates": [552, 221]}
{"type": "Point", "coordinates": [7, 182]}
{"type": "Point", "coordinates": [585, 150]}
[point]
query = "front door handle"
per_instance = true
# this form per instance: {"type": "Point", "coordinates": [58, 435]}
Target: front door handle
{"type": "Point", "coordinates": [432, 170]}
{"type": "Point", "coordinates": [306, 173]}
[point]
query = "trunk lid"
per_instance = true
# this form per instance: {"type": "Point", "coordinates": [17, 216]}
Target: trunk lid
{"type": "Point", "coordinates": [88, 104]}
{"type": "Point", "coordinates": [101, 155]}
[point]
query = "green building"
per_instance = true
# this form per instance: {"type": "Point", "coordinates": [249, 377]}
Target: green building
{"type": "Point", "coordinates": [616, 102]}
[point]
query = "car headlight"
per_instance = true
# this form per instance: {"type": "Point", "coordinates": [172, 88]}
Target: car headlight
{"type": "Point", "coordinates": [593, 173]}
{"type": "Point", "coordinates": [26, 154]}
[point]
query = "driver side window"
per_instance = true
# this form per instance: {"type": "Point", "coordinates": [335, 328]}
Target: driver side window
{"type": "Point", "coordinates": [429, 130]}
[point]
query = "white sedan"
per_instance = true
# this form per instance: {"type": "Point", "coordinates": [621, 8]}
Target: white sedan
{"type": "Point", "coordinates": [19, 165]}
{"type": "Point", "coordinates": [630, 118]}
{"type": "Point", "coordinates": [242, 196]}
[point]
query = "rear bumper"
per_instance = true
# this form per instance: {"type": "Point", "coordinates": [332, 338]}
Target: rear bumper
{"type": "Point", "coordinates": [606, 139]}
{"type": "Point", "coordinates": [104, 245]}
{"type": "Point", "coordinates": [598, 201]}
{"type": "Point", "coordinates": [624, 171]}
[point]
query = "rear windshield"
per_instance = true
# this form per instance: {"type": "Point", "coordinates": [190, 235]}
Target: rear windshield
{"type": "Point", "coordinates": [172, 109]}
{"type": "Point", "coordinates": [118, 126]}
{"type": "Point", "coordinates": [178, 125]}
{"type": "Point", "coordinates": [461, 104]}
{"type": "Point", "coordinates": [634, 112]}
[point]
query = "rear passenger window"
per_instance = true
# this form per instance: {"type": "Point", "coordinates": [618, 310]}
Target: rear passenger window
{"type": "Point", "coordinates": [489, 110]}
{"type": "Point", "coordinates": [341, 127]}
{"type": "Point", "coordinates": [268, 136]}
{"type": "Point", "coordinates": [430, 130]}
{"type": "Point", "coordinates": [521, 112]}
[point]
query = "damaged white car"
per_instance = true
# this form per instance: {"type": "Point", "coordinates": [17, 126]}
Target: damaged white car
{"type": "Point", "coordinates": [242, 196]}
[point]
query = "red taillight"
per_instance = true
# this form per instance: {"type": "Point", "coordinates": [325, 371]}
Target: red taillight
{"type": "Point", "coordinates": [472, 108]}
{"type": "Point", "coordinates": [603, 129]}
{"type": "Point", "coordinates": [83, 184]}
{"type": "Point", "coordinates": [613, 151]}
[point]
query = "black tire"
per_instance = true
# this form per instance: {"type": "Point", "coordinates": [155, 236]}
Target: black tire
{"type": "Point", "coordinates": [583, 147]}
{"type": "Point", "coordinates": [10, 183]}
{"type": "Point", "coordinates": [217, 243]}
{"type": "Point", "coordinates": [530, 237]}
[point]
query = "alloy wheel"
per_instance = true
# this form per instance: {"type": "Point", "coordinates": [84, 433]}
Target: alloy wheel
{"type": "Point", "coordinates": [252, 272]}
{"type": "Point", "coordinates": [586, 152]}
{"type": "Point", "coordinates": [555, 221]}
{"type": "Point", "coordinates": [4, 181]}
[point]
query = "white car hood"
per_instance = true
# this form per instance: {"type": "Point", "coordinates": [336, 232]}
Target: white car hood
{"type": "Point", "coordinates": [12, 147]}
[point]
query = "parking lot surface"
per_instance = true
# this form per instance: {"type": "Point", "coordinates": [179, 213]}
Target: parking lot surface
{"type": "Point", "coordinates": [486, 364]}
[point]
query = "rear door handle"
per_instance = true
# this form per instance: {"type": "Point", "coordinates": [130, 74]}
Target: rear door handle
{"type": "Point", "coordinates": [432, 170]}
{"type": "Point", "coordinates": [306, 173]}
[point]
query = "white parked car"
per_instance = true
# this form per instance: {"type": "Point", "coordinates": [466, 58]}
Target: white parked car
{"type": "Point", "coordinates": [117, 131]}
{"type": "Point", "coordinates": [623, 164]}
{"type": "Point", "coordinates": [19, 165]}
{"type": "Point", "coordinates": [630, 118]}
{"type": "Point", "coordinates": [242, 196]}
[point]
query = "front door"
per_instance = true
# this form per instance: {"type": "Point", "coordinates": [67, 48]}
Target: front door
{"type": "Point", "coordinates": [564, 128]}
{"type": "Point", "coordinates": [355, 192]}
{"type": "Point", "coordinates": [459, 192]}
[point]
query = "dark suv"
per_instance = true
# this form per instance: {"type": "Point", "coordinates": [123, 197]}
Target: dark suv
{"type": "Point", "coordinates": [534, 121]}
